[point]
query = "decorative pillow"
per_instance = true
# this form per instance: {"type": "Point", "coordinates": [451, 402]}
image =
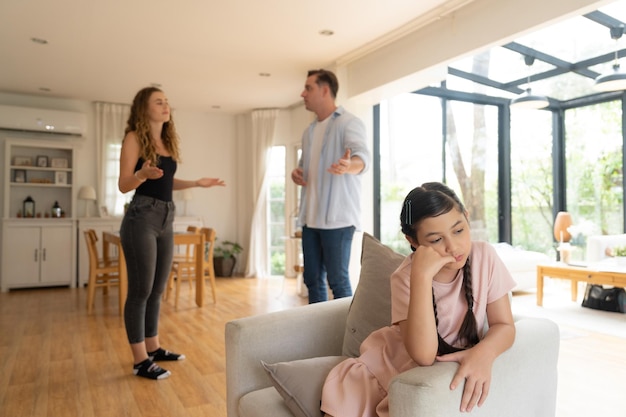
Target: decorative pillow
{"type": "Point", "coordinates": [371, 305]}
{"type": "Point", "coordinates": [300, 382]}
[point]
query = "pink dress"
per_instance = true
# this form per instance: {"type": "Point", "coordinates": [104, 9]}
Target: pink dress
{"type": "Point", "coordinates": [358, 386]}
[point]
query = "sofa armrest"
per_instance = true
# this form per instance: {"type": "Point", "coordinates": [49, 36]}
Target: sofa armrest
{"type": "Point", "coordinates": [299, 333]}
{"type": "Point", "coordinates": [524, 380]}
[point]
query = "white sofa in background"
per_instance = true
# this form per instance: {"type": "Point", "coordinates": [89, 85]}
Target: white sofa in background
{"type": "Point", "coordinates": [597, 246]}
{"type": "Point", "coordinates": [276, 363]}
{"type": "Point", "coordinates": [522, 264]}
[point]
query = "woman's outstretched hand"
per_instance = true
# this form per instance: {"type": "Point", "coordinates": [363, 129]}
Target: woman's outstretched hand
{"type": "Point", "coordinates": [210, 182]}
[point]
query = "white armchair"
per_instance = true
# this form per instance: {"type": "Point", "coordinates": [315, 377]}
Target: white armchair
{"type": "Point", "coordinates": [524, 378]}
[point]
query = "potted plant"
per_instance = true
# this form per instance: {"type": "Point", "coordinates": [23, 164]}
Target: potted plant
{"type": "Point", "coordinates": [224, 258]}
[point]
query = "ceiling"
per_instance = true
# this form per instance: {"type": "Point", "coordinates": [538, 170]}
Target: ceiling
{"type": "Point", "coordinates": [207, 55]}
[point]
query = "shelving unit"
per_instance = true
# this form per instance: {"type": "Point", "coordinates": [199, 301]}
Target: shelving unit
{"type": "Point", "coordinates": [26, 176]}
{"type": "Point", "coordinates": [38, 250]}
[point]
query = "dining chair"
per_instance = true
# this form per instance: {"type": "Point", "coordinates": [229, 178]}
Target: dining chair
{"type": "Point", "coordinates": [208, 270]}
{"type": "Point", "coordinates": [182, 255]}
{"type": "Point", "coordinates": [103, 273]}
{"type": "Point", "coordinates": [184, 268]}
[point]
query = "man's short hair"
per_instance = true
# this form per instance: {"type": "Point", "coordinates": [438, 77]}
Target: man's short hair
{"type": "Point", "coordinates": [326, 77]}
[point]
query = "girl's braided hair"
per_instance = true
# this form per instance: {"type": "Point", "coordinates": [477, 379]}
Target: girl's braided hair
{"type": "Point", "coordinates": [433, 199]}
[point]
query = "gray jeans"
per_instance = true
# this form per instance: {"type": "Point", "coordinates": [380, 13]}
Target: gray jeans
{"type": "Point", "coordinates": [147, 237]}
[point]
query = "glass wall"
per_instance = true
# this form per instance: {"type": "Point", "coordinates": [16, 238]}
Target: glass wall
{"type": "Point", "coordinates": [594, 172]}
{"type": "Point", "coordinates": [531, 180]}
{"type": "Point", "coordinates": [410, 154]}
{"type": "Point", "coordinates": [472, 163]}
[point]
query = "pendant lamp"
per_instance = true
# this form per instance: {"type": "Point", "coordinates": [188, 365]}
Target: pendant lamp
{"type": "Point", "coordinates": [616, 79]}
{"type": "Point", "coordinates": [528, 100]}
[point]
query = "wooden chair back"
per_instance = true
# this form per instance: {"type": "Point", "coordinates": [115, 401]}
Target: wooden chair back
{"type": "Point", "coordinates": [102, 273]}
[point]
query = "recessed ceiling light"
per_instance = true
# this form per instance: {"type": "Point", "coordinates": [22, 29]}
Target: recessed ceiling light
{"type": "Point", "coordinates": [39, 41]}
{"type": "Point", "coordinates": [157, 85]}
{"type": "Point", "coordinates": [326, 32]}
{"type": "Point", "coordinates": [264, 74]}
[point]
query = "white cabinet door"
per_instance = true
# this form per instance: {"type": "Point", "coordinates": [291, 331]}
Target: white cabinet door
{"type": "Point", "coordinates": [20, 258]}
{"type": "Point", "coordinates": [37, 256]}
{"type": "Point", "coordinates": [56, 255]}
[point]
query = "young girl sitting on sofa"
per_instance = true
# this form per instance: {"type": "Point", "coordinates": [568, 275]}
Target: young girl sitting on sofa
{"type": "Point", "coordinates": [442, 295]}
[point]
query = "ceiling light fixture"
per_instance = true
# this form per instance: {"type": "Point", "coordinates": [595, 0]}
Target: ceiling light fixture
{"type": "Point", "coordinates": [40, 41]}
{"type": "Point", "coordinates": [616, 79]}
{"type": "Point", "coordinates": [326, 32]}
{"type": "Point", "coordinates": [528, 100]}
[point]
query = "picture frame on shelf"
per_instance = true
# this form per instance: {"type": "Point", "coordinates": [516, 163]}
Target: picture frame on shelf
{"type": "Point", "coordinates": [22, 161]}
{"type": "Point", "coordinates": [42, 161]}
{"type": "Point", "coordinates": [19, 175]}
{"type": "Point", "coordinates": [60, 178]}
{"type": "Point", "coordinates": [58, 163]}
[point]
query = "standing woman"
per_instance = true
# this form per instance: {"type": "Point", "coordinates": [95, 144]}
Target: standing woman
{"type": "Point", "coordinates": [148, 161]}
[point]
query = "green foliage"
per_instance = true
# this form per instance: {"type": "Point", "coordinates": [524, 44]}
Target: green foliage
{"type": "Point", "coordinates": [619, 251]}
{"type": "Point", "coordinates": [278, 263]}
{"type": "Point", "coordinates": [228, 249]}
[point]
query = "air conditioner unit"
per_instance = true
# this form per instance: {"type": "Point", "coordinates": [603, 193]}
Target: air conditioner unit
{"type": "Point", "coordinates": [27, 119]}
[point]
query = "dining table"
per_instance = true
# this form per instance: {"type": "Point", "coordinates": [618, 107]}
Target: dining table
{"type": "Point", "coordinates": [111, 239]}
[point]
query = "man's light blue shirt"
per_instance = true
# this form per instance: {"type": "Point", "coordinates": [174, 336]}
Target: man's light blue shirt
{"type": "Point", "coordinates": [339, 196]}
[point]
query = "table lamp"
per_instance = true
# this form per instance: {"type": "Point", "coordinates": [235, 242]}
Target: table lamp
{"type": "Point", "coordinates": [562, 221]}
{"type": "Point", "coordinates": [88, 193]}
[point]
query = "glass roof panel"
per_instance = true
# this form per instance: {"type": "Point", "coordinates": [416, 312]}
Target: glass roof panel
{"type": "Point", "coordinates": [571, 40]}
{"type": "Point", "coordinates": [616, 10]}
{"type": "Point", "coordinates": [505, 65]}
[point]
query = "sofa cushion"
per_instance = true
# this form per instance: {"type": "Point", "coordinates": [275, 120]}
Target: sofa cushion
{"type": "Point", "coordinates": [371, 305]}
{"type": "Point", "coordinates": [300, 382]}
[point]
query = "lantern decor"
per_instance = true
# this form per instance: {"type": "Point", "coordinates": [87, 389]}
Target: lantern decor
{"type": "Point", "coordinates": [29, 207]}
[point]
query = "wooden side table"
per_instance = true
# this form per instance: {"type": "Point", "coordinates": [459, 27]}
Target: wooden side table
{"type": "Point", "coordinates": [576, 274]}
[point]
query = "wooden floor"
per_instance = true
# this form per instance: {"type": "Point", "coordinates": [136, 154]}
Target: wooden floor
{"type": "Point", "coordinates": [57, 361]}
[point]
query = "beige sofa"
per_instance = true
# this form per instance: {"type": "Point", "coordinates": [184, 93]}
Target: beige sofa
{"type": "Point", "coordinates": [276, 363]}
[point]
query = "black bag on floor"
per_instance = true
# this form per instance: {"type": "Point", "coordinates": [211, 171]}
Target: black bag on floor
{"type": "Point", "coordinates": [607, 299]}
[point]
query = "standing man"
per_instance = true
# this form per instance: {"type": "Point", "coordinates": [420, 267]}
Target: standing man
{"type": "Point", "coordinates": [334, 154]}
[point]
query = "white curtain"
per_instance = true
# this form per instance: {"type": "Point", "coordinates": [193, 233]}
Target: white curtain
{"type": "Point", "coordinates": [263, 130]}
{"type": "Point", "coordinates": [110, 124]}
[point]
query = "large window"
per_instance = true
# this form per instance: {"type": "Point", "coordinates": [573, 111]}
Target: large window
{"type": "Point", "coordinates": [410, 154]}
{"type": "Point", "coordinates": [472, 163]}
{"type": "Point", "coordinates": [531, 180]}
{"type": "Point", "coordinates": [276, 210]}
{"type": "Point", "coordinates": [593, 149]}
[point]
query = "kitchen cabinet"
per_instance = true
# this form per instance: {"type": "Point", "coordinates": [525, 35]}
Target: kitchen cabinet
{"type": "Point", "coordinates": [37, 255]}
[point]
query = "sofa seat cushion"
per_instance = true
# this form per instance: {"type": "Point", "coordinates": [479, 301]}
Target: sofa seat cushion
{"type": "Point", "coordinates": [300, 382]}
{"type": "Point", "coordinates": [262, 403]}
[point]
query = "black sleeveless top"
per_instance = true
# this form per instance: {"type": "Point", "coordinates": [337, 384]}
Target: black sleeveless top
{"type": "Point", "coordinates": [162, 188]}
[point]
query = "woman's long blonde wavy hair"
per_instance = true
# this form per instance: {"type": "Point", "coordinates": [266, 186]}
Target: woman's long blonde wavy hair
{"type": "Point", "coordinates": [139, 122]}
